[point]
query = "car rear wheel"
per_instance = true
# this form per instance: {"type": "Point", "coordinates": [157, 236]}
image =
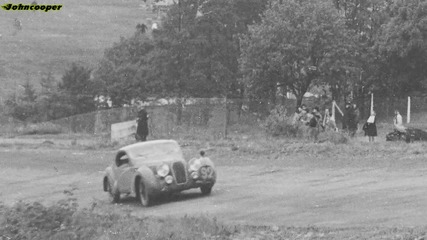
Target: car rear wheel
{"type": "Point", "coordinates": [143, 196]}
{"type": "Point", "coordinates": [113, 197]}
{"type": "Point", "coordinates": [206, 190]}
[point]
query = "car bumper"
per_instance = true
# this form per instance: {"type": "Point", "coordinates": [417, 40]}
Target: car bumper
{"type": "Point", "coordinates": [174, 187]}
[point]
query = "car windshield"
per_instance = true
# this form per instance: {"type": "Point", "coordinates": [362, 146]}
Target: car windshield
{"type": "Point", "coordinates": [155, 152]}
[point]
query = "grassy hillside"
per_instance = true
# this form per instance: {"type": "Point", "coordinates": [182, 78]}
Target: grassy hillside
{"type": "Point", "coordinates": [51, 41]}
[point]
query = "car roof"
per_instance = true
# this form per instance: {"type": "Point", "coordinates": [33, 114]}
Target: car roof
{"type": "Point", "coordinates": [147, 145]}
{"type": "Point", "coordinates": [153, 151]}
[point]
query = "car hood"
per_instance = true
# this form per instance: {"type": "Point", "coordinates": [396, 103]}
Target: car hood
{"type": "Point", "coordinates": [155, 163]}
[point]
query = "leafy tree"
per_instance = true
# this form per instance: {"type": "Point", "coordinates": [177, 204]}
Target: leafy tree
{"type": "Point", "coordinates": [172, 59]}
{"type": "Point", "coordinates": [364, 18]}
{"type": "Point", "coordinates": [47, 99]}
{"type": "Point", "coordinates": [218, 29]}
{"type": "Point", "coordinates": [122, 71]}
{"type": "Point", "coordinates": [76, 91]}
{"type": "Point", "coordinates": [402, 48]}
{"type": "Point", "coordinates": [23, 107]}
{"type": "Point", "coordinates": [47, 83]}
{"type": "Point", "coordinates": [194, 53]}
{"type": "Point", "coordinates": [197, 48]}
{"type": "Point", "coordinates": [295, 46]}
{"type": "Point", "coordinates": [30, 94]}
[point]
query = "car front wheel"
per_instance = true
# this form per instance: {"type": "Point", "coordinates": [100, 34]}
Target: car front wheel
{"type": "Point", "coordinates": [143, 195]}
{"type": "Point", "coordinates": [113, 197]}
{"type": "Point", "coordinates": [206, 190]}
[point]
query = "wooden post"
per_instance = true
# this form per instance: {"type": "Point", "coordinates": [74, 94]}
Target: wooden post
{"type": "Point", "coordinates": [408, 118]}
{"type": "Point", "coordinates": [226, 118]}
{"type": "Point", "coordinates": [339, 109]}
{"type": "Point", "coordinates": [333, 110]}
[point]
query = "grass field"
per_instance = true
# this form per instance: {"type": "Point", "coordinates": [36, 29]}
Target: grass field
{"type": "Point", "coordinates": [361, 190]}
{"type": "Point", "coordinates": [51, 41]}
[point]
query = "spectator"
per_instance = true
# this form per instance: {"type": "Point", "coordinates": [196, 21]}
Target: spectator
{"type": "Point", "coordinates": [303, 114]}
{"type": "Point", "coordinates": [142, 127]}
{"type": "Point", "coordinates": [314, 124]}
{"type": "Point", "coordinates": [356, 116]}
{"type": "Point", "coordinates": [296, 117]}
{"type": "Point", "coordinates": [304, 107]}
{"type": "Point", "coordinates": [370, 127]}
{"type": "Point", "coordinates": [329, 121]}
{"type": "Point", "coordinates": [302, 125]}
{"type": "Point", "coordinates": [345, 117]}
{"type": "Point", "coordinates": [398, 122]}
{"type": "Point", "coordinates": [318, 115]}
{"type": "Point", "coordinates": [350, 120]}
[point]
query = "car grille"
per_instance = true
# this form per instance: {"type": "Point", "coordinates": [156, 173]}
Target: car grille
{"type": "Point", "coordinates": [179, 172]}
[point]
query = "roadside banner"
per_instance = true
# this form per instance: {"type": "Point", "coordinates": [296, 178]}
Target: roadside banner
{"type": "Point", "coordinates": [123, 130]}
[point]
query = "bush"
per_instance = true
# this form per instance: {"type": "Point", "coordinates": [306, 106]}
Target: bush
{"type": "Point", "coordinates": [40, 128]}
{"type": "Point", "coordinates": [279, 124]}
{"type": "Point", "coordinates": [334, 137]}
{"type": "Point", "coordinates": [63, 220]}
{"type": "Point", "coordinates": [34, 220]}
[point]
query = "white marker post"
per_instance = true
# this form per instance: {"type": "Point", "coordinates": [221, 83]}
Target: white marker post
{"type": "Point", "coordinates": [339, 109]}
{"type": "Point", "coordinates": [372, 103]}
{"type": "Point", "coordinates": [408, 118]}
{"type": "Point", "coordinates": [333, 110]}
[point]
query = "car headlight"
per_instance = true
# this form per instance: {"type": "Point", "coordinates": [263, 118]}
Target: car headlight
{"type": "Point", "coordinates": [163, 170]}
{"type": "Point", "coordinates": [194, 175]}
{"type": "Point", "coordinates": [195, 165]}
{"type": "Point", "coordinates": [169, 179]}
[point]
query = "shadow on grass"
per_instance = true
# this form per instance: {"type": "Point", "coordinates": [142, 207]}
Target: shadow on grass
{"type": "Point", "coordinates": [164, 198]}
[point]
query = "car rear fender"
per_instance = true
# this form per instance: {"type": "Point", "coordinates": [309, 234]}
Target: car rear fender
{"type": "Point", "coordinates": [108, 176]}
{"type": "Point", "coordinates": [146, 174]}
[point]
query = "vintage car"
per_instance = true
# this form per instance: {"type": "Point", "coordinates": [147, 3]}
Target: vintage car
{"type": "Point", "coordinates": [410, 135]}
{"type": "Point", "coordinates": [153, 168]}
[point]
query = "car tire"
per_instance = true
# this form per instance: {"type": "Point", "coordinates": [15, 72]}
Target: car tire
{"type": "Point", "coordinates": [206, 190]}
{"type": "Point", "coordinates": [113, 197]}
{"type": "Point", "coordinates": [143, 195]}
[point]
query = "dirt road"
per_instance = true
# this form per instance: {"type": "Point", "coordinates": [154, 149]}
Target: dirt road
{"type": "Point", "coordinates": [257, 194]}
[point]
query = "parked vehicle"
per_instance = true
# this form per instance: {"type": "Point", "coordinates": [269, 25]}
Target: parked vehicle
{"type": "Point", "coordinates": [410, 135]}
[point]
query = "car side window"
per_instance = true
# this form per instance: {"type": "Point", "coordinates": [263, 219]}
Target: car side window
{"type": "Point", "coordinates": [122, 159]}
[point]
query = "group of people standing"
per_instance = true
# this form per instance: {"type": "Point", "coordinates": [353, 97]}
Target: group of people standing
{"type": "Point", "coordinates": [309, 121]}
{"type": "Point", "coordinates": [351, 122]}
{"type": "Point", "coordinates": [370, 127]}
{"type": "Point", "coordinates": [312, 122]}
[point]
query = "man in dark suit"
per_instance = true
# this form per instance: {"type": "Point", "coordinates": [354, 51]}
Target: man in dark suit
{"type": "Point", "coordinates": [142, 127]}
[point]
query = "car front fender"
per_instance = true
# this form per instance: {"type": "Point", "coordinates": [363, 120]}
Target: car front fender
{"type": "Point", "coordinates": [211, 179]}
{"type": "Point", "coordinates": [146, 174]}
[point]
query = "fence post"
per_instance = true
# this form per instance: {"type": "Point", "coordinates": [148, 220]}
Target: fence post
{"type": "Point", "coordinates": [333, 110]}
{"type": "Point", "coordinates": [408, 118]}
{"type": "Point", "coordinates": [225, 118]}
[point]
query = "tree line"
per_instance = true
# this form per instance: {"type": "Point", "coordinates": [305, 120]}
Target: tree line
{"type": "Point", "coordinates": [256, 50]}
